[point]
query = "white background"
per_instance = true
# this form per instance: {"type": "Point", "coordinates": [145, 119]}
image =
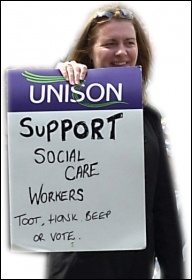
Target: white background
{"type": "Point", "coordinates": [39, 34]}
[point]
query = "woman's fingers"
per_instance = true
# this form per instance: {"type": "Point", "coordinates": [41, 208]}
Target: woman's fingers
{"type": "Point", "coordinates": [72, 71]}
{"type": "Point", "coordinates": [83, 72]}
{"type": "Point", "coordinates": [62, 67]}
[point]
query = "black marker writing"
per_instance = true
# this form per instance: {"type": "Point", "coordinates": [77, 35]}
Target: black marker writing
{"type": "Point", "coordinates": [62, 218]}
{"type": "Point", "coordinates": [60, 156]}
{"type": "Point", "coordinates": [27, 221]}
{"type": "Point", "coordinates": [38, 237]}
{"type": "Point", "coordinates": [62, 236]}
{"type": "Point", "coordinates": [80, 130]}
{"type": "Point", "coordinates": [96, 215]}
{"type": "Point", "coordinates": [82, 171]}
{"type": "Point", "coordinates": [54, 196]}
{"type": "Point", "coordinates": [113, 119]}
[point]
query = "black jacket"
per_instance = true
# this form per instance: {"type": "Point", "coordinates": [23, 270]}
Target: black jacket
{"type": "Point", "coordinates": [163, 232]}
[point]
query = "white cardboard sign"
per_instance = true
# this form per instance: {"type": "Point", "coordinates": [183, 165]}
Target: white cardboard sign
{"type": "Point", "coordinates": [76, 177]}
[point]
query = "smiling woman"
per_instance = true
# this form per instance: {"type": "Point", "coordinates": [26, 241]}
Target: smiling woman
{"type": "Point", "coordinates": [113, 36]}
{"type": "Point", "coordinates": [25, 45]}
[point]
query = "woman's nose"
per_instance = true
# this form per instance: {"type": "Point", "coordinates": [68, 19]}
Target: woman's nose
{"type": "Point", "coordinates": [121, 49]}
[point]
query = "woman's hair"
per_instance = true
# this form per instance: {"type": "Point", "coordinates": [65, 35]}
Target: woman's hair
{"type": "Point", "coordinates": [83, 47]}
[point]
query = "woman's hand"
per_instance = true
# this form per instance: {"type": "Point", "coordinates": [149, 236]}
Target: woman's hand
{"type": "Point", "coordinates": [72, 71]}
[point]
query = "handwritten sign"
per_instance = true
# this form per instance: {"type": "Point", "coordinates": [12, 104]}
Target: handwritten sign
{"type": "Point", "coordinates": [76, 161]}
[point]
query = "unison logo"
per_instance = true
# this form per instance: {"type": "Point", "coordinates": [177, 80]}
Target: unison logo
{"type": "Point", "coordinates": [63, 93]}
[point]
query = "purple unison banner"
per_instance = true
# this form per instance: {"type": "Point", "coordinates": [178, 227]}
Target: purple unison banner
{"type": "Point", "coordinates": [76, 161]}
{"type": "Point", "coordinates": [46, 90]}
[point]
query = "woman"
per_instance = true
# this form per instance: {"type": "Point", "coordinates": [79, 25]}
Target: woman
{"type": "Point", "coordinates": [112, 37]}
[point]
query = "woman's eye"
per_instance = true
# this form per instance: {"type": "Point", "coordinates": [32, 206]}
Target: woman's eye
{"type": "Point", "coordinates": [130, 43]}
{"type": "Point", "coordinates": [109, 44]}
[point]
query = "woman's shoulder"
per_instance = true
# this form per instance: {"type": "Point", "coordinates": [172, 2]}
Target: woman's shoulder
{"type": "Point", "coordinates": [153, 116]}
{"type": "Point", "coordinates": [152, 112]}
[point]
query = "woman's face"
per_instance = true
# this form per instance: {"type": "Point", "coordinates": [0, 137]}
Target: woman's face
{"type": "Point", "coordinates": [115, 45]}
